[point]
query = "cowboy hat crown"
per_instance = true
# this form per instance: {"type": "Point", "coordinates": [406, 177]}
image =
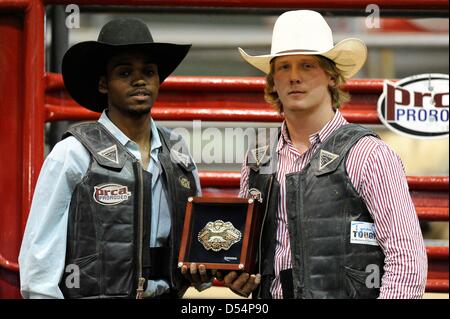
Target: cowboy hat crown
{"type": "Point", "coordinates": [85, 62]}
{"type": "Point", "coordinates": [305, 32]}
{"type": "Point", "coordinates": [125, 31]}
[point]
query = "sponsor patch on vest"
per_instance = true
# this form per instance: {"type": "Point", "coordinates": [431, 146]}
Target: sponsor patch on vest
{"type": "Point", "coordinates": [363, 233]}
{"type": "Point", "coordinates": [111, 194]}
{"type": "Point", "coordinates": [184, 182]}
{"type": "Point", "coordinates": [110, 154]}
{"type": "Point", "coordinates": [326, 158]}
{"type": "Point", "coordinates": [255, 194]}
{"type": "Point", "coordinates": [259, 153]}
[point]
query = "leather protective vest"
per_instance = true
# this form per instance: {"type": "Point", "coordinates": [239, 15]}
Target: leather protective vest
{"type": "Point", "coordinates": [323, 212]}
{"type": "Point", "coordinates": [110, 214]}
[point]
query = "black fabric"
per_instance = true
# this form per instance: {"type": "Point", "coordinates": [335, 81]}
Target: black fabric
{"type": "Point", "coordinates": [147, 205]}
{"type": "Point", "coordinates": [158, 266]}
{"type": "Point", "coordinates": [85, 62]}
{"type": "Point", "coordinates": [287, 284]}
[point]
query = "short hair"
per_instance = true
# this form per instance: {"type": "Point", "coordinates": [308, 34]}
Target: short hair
{"type": "Point", "coordinates": [338, 96]}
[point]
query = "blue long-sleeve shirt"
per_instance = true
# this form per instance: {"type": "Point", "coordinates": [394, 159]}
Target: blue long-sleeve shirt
{"type": "Point", "coordinates": [43, 250]}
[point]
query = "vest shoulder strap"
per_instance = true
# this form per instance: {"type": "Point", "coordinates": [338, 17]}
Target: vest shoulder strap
{"type": "Point", "coordinates": [100, 143]}
{"type": "Point", "coordinates": [175, 149]}
{"type": "Point", "coordinates": [335, 148]}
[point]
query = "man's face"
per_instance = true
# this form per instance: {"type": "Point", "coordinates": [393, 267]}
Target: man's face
{"type": "Point", "coordinates": [131, 83]}
{"type": "Point", "coordinates": [301, 84]}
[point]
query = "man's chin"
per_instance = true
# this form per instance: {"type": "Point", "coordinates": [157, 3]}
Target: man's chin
{"type": "Point", "coordinates": [139, 111]}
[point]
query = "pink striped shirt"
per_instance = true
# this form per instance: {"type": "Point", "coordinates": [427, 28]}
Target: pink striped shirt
{"type": "Point", "coordinates": [377, 174]}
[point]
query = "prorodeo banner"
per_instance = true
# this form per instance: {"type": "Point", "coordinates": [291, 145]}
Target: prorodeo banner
{"type": "Point", "coordinates": [416, 106]}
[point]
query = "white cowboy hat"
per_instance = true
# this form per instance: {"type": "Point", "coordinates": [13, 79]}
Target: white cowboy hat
{"type": "Point", "coordinates": [306, 32]}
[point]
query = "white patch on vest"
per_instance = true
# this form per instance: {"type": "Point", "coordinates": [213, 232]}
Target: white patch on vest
{"type": "Point", "coordinates": [110, 154]}
{"type": "Point", "coordinates": [180, 157]}
{"type": "Point", "coordinates": [363, 233]}
{"type": "Point", "coordinates": [259, 153]}
{"type": "Point", "coordinates": [326, 158]}
{"type": "Point", "coordinates": [111, 194]}
{"type": "Point", "coordinates": [255, 194]}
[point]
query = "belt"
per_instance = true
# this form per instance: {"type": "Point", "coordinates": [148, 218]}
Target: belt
{"type": "Point", "coordinates": [287, 283]}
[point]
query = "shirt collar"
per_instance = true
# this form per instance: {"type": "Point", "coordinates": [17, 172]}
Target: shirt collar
{"type": "Point", "coordinates": [284, 137]}
{"type": "Point", "coordinates": [318, 137]}
{"type": "Point", "coordinates": [337, 121]}
{"type": "Point", "coordinates": [155, 143]}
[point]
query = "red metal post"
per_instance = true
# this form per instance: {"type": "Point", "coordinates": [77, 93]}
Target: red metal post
{"type": "Point", "coordinates": [21, 126]}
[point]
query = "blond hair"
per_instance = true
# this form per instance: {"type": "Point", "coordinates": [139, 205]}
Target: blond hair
{"type": "Point", "coordinates": [338, 97]}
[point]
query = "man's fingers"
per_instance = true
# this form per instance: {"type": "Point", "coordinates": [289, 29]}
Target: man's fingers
{"type": "Point", "coordinates": [194, 273]}
{"type": "Point", "coordinates": [251, 284]}
{"type": "Point", "coordinates": [242, 285]}
{"type": "Point", "coordinates": [239, 283]}
{"type": "Point", "coordinates": [229, 278]}
{"type": "Point", "coordinates": [203, 275]}
{"type": "Point", "coordinates": [185, 272]}
{"type": "Point", "coordinates": [235, 281]}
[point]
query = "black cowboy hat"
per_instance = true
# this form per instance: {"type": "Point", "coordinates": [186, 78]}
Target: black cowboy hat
{"type": "Point", "coordinates": [85, 62]}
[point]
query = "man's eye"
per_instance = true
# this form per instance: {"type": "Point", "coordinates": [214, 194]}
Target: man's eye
{"type": "Point", "coordinates": [124, 73]}
{"type": "Point", "coordinates": [149, 72]}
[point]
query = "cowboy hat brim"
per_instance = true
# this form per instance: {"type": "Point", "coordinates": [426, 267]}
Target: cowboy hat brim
{"type": "Point", "coordinates": [84, 64]}
{"type": "Point", "coordinates": [349, 56]}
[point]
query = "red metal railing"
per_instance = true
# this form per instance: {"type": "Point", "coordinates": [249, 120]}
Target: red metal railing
{"type": "Point", "coordinates": [21, 125]}
{"type": "Point", "coordinates": [215, 99]}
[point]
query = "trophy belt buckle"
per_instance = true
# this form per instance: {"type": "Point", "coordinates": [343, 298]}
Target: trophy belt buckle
{"type": "Point", "coordinates": [219, 235]}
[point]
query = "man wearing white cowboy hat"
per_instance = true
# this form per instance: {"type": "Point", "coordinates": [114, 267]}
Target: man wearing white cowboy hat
{"type": "Point", "coordinates": [109, 204]}
{"type": "Point", "coordinates": [340, 222]}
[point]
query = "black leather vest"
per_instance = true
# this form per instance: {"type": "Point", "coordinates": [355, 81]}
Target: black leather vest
{"type": "Point", "coordinates": [321, 206]}
{"type": "Point", "coordinates": [110, 213]}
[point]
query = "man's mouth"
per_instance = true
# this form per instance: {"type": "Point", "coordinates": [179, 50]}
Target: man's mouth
{"type": "Point", "coordinates": [140, 92]}
{"type": "Point", "coordinates": [296, 92]}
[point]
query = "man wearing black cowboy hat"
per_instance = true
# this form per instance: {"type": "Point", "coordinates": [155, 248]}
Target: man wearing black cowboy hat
{"type": "Point", "coordinates": [109, 204]}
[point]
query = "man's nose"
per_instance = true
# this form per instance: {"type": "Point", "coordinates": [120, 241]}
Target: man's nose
{"type": "Point", "coordinates": [295, 76]}
{"type": "Point", "coordinates": [138, 79]}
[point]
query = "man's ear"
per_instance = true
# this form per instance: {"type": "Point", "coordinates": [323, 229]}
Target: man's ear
{"type": "Point", "coordinates": [332, 82]}
{"type": "Point", "coordinates": [102, 86]}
